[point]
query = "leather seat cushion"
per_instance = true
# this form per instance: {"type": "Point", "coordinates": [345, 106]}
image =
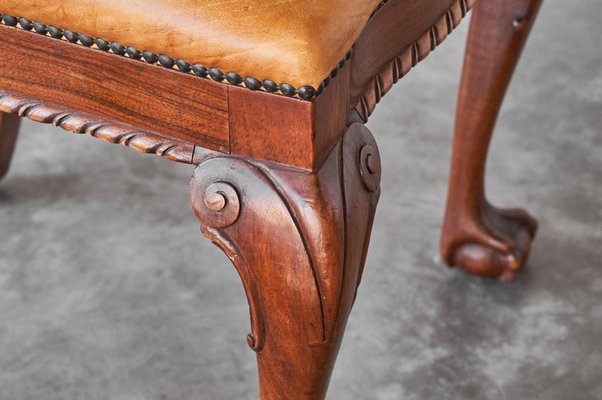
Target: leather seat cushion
{"type": "Point", "coordinates": [293, 41]}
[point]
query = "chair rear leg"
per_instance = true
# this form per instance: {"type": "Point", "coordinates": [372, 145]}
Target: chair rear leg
{"type": "Point", "coordinates": [478, 237]}
{"type": "Point", "coordinates": [9, 128]}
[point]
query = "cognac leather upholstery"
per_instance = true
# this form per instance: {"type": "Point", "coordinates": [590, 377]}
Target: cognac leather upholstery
{"type": "Point", "coordinates": [293, 41]}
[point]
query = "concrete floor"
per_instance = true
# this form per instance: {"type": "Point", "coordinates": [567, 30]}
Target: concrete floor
{"type": "Point", "coordinates": [108, 290]}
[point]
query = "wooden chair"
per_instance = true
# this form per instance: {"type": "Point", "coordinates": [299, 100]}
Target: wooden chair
{"type": "Point", "coordinates": [269, 100]}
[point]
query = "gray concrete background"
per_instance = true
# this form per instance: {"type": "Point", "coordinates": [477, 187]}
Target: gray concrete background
{"type": "Point", "coordinates": [108, 290]}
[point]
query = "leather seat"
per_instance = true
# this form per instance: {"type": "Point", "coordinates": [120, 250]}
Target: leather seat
{"type": "Point", "coordinates": [294, 41]}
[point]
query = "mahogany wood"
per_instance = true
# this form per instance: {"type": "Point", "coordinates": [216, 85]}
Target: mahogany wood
{"type": "Point", "coordinates": [288, 188]}
{"type": "Point", "coordinates": [78, 78]}
{"type": "Point", "coordinates": [476, 236]}
{"type": "Point", "coordinates": [299, 133]}
{"type": "Point", "coordinates": [9, 129]}
{"type": "Point", "coordinates": [371, 80]}
{"type": "Point", "coordinates": [392, 28]}
{"type": "Point", "coordinates": [109, 131]}
{"type": "Point", "coordinates": [299, 242]}
{"type": "Point", "coordinates": [217, 116]}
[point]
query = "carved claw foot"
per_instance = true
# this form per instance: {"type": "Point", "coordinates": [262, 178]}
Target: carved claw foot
{"type": "Point", "coordinates": [495, 245]}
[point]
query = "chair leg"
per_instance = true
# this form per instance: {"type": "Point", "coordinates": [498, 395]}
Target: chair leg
{"type": "Point", "coordinates": [9, 128]}
{"type": "Point", "coordinates": [478, 237]}
{"type": "Point", "coordinates": [299, 241]}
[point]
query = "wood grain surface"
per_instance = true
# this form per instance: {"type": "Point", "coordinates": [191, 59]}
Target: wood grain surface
{"type": "Point", "coordinates": [79, 78]}
{"type": "Point", "coordinates": [476, 236]}
{"type": "Point", "coordinates": [79, 122]}
{"type": "Point", "coordinates": [288, 188]}
{"type": "Point", "coordinates": [299, 242]}
{"type": "Point", "coordinates": [378, 64]}
{"type": "Point", "coordinates": [217, 116]}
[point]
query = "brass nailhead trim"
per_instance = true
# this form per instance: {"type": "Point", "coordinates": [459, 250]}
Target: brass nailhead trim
{"type": "Point", "coordinates": [306, 92]}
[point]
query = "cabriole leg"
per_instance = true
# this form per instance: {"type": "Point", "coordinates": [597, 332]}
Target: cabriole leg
{"type": "Point", "coordinates": [9, 128]}
{"type": "Point", "coordinates": [299, 242]}
{"type": "Point", "coordinates": [478, 237]}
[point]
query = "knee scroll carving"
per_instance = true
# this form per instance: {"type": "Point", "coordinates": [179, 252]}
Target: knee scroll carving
{"type": "Point", "coordinates": [298, 239]}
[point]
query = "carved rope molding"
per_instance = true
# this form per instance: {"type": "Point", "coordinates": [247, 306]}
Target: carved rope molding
{"type": "Point", "coordinates": [401, 65]}
{"type": "Point", "coordinates": [104, 129]}
{"type": "Point", "coordinates": [306, 256]}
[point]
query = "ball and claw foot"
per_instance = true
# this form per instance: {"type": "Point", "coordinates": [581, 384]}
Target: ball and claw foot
{"type": "Point", "coordinates": [496, 245]}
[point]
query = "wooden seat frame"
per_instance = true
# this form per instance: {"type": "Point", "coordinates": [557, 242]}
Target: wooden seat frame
{"type": "Point", "coordinates": [286, 187]}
